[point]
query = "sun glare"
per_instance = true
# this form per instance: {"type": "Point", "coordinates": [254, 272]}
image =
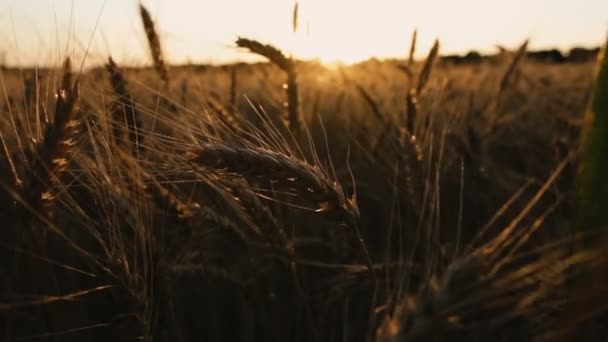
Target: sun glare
{"type": "Point", "coordinates": [339, 32]}
{"type": "Point", "coordinates": [323, 49]}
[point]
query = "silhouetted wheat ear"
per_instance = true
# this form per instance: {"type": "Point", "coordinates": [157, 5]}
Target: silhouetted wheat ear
{"type": "Point", "coordinates": [411, 112]}
{"type": "Point", "coordinates": [287, 171]}
{"type": "Point", "coordinates": [408, 133]}
{"type": "Point", "coordinates": [276, 56]}
{"type": "Point", "coordinates": [273, 54]}
{"type": "Point", "coordinates": [428, 67]}
{"type": "Point", "coordinates": [309, 182]}
{"type": "Point", "coordinates": [413, 47]}
{"type": "Point", "coordinates": [505, 82]}
{"type": "Point", "coordinates": [155, 47]}
{"type": "Point", "coordinates": [123, 108]}
{"type": "Point", "coordinates": [294, 18]}
{"type": "Point", "coordinates": [509, 73]}
{"type": "Point", "coordinates": [372, 103]}
{"type": "Point", "coordinates": [53, 153]}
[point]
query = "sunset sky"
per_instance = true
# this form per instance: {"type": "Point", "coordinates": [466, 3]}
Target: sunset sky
{"type": "Point", "coordinates": [44, 31]}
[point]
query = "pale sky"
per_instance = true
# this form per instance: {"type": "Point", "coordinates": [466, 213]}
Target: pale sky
{"type": "Point", "coordinates": [42, 32]}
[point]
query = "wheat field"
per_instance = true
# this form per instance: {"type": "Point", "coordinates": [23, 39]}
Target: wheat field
{"type": "Point", "coordinates": [389, 200]}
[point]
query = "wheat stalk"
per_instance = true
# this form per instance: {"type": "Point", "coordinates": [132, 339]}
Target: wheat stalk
{"type": "Point", "coordinates": [413, 47]}
{"type": "Point", "coordinates": [277, 57]}
{"type": "Point", "coordinates": [373, 105]}
{"type": "Point", "coordinates": [294, 17]}
{"type": "Point", "coordinates": [53, 153]}
{"type": "Point", "coordinates": [273, 54]}
{"type": "Point", "coordinates": [505, 81]}
{"type": "Point", "coordinates": [425, 74]}
{"type": "Point", "coordinates": [123, 109]}
{"type": "Point", "coordinates": [155, 47]}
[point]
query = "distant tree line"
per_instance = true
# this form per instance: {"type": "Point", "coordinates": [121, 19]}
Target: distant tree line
{"type": "Point", "coordinates": [575, 55]}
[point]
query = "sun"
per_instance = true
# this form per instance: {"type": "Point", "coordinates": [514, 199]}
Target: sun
{"type": "Point", "coordinates": [329, 47]}
{"type": "Point", "coordinates": [332, 36]}
{"type": "Point", "coordinates": [326, 51]}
